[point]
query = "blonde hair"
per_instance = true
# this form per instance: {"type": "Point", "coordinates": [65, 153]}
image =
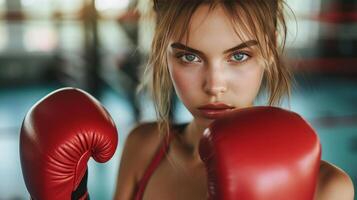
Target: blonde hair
{"type": "Point", "coordinates": [264, 20]}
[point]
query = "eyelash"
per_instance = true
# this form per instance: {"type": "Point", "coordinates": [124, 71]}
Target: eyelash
{"type": "Point", "coordinates": [181, 55]}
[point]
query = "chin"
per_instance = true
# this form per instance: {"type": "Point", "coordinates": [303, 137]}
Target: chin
{"type": "Point", "coordinates": [205, 122]}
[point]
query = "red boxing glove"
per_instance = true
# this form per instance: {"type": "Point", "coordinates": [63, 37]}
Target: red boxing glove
{"type": "Point", "coordinates": [261, 153]}
{"type": "Point", "coordinates": [58, 136]}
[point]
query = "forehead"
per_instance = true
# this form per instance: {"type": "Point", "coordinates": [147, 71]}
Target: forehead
{"type": "Point", "coordinates": [214, 26]}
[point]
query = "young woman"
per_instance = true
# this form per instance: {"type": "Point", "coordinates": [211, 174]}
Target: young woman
{"type": "Point", "coordinates": [208, 52]}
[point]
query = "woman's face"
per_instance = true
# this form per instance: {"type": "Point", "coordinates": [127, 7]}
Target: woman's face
{"type": "Point", "coordinates": [214, 71]}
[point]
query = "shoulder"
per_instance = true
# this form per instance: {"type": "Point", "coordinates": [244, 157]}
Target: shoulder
{"type": "Point", "coordinates": [139, 149]}
{"type": "Point", "coordinates": [141, 145]}
{"type": "Point", "coordinates": [333, 183]}
{"type": "Point", "coordinates": [143, 132]}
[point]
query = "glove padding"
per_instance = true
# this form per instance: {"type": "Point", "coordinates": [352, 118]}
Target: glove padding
{"type": "Point", "coordinates": [58, 136]}
{"type": "Point", "coordinates": [261, 153]}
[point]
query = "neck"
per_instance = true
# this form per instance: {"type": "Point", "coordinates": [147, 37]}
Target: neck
{"type": "Point", "coordinates": [192, 136]}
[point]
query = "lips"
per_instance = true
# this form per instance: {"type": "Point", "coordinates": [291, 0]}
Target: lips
{"type": "Point", "coordinates": [216, 106]}
{"type": "Point", "coordinates": [214, 110]}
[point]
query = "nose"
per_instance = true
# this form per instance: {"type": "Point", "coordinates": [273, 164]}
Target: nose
{"type": "Point", "coordinates": [215, 83]}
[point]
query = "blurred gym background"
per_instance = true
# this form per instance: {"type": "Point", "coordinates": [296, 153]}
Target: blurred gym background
{"type": "Point", "coordinates": [101, 47]}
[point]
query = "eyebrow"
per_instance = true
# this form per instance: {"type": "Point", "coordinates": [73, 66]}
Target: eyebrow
{"type": "Point", "coordinates": [246, 44]}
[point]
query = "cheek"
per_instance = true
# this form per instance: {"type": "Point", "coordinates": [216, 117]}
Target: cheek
{"type": "Point", "coordinates": [185, 82]}
{"type": "Point", "coordinates": [254, 78]}
{"type": "Point", "coordinates": [247, 83]}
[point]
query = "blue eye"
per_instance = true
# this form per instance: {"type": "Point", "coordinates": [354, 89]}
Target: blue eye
{"type": "Point", "coordinates": [240, 57]}
{"type": "Point", "coordinates": [188, 58]}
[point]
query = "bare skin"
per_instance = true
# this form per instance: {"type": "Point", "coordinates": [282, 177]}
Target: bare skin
{"type": "Point", "coordinates": [183, 176]}
{"type": "Point", "coordinates": [187, 175]}
{"type": "Point", "coordinates": [214, 75]}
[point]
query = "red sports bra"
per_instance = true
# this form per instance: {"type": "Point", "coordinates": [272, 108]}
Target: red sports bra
{"type": "Point", "coordinates": [153, 165]}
